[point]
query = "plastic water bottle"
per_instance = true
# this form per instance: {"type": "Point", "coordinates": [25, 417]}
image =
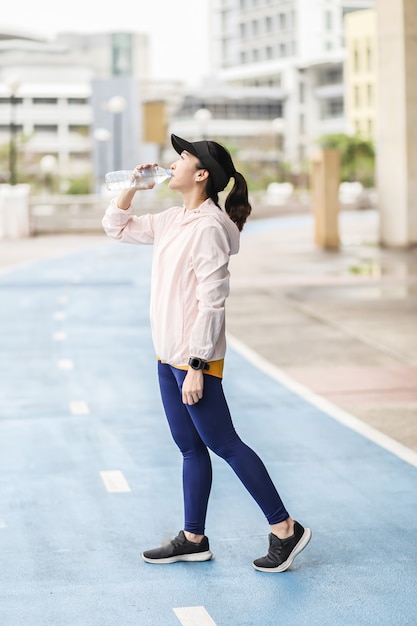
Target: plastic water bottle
{"type": "Point", "coordinates": [146, 178]}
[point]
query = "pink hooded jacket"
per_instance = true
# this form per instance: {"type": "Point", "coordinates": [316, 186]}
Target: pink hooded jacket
{"type": "Point", "coordinates": [190, 276]}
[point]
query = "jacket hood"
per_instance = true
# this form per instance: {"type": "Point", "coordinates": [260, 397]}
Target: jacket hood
{"type": "Point", "coordinates": [208, 208]}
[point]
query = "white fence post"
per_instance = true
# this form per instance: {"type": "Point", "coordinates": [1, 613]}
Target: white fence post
{"type": "Point", "coordinates": [14, 211]}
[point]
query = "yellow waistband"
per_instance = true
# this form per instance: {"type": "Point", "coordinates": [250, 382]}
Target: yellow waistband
{"type": "Point", "coordinates": [216, 368]}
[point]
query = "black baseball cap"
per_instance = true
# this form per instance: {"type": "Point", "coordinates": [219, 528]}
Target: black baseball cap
{"type": "Point", "coordinates": [201, 150]}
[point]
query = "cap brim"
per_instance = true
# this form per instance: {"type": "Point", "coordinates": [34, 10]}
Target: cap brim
{"type": "Point", "coordinates": [180, 144]}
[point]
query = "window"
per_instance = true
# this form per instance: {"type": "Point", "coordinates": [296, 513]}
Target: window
{"type": "Point", "coordinates": [7, 100]}
{"type": "Point", "coordinates": [370, 95]}
{"type": "Point", "coordinates": [369, 58]}
{"type": "Point", "coordinates": [356, 96]}
{"type": "Point", "coordinates": [225, 49]}
{"type": "Point", "coordinates": [6, 128]}
{"type": "Point", "coordinates": [301, 92]}
{"type": "Point", "coordinates": [77, 101]}
{"type": "Point", "coordinates": [333, 76]}
{"type": "Point", "coordinates": [79, 129]}
{"type": "Point", "coordinates": [45, 101]}
{"type": "Point", "coordinates": [328, 20]}
{"type": "Point", "coordinates": [335, 108]}
{"type": "Point", "coordinates": [356, 64]}
{"type": "Point", "coordinates": [45, 128]}
{"type": "Point", "coordinates": [224, 19]}
{"type": "Point", "coordinates": [80, 156]}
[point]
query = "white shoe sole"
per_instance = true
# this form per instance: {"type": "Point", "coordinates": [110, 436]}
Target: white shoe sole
{"type": "Point", "coordinates": [197, 557]}
{"type": "Point", "coordinates": [297, 549]}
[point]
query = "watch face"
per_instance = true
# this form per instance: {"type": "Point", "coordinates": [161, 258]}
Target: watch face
{"type": "Point", "coordinates": [196, 364]}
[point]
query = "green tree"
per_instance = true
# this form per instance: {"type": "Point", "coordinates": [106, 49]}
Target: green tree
{"type": "Point", "coordinates": [80, 186]}
{"type": "Point", "coordinates": [357, 157]}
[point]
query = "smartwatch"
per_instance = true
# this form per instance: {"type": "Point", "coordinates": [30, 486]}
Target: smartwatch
{"type": "Point", "coordinates": [198, 364]}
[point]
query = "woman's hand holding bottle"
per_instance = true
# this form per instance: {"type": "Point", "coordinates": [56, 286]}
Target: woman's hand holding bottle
{"type": "Point", "coordinates": [127, 182]}
{"type": "Point", "coordinates": [144, 176]}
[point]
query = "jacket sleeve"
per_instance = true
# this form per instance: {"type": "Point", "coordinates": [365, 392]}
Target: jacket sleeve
{"type": "Point", "coordinates": [210, 259]}
{"type": "Point", "coordinates": [128, 228]}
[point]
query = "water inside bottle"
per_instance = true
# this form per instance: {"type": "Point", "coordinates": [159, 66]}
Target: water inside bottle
{"type": "Point", "coordinates": [146, 178]}
{"type": "Point", "coordinates": [122, 179]}
{"type": "Point", "coordinates": [118, 185]}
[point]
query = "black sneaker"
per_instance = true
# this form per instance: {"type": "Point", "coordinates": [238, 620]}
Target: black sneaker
{"type": "Point", "coordinates": [282, 552]}
{"type": "Point", "coordinates": [179, 549]}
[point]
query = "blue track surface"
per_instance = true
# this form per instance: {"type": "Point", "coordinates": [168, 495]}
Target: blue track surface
{"type": "Point", "coordinates": [76, 330]}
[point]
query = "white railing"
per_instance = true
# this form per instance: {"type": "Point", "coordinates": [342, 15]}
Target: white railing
{"type": "Point", "coordinates": [82, 213]}
{"type": "Point", "coordinates": [59, 214]}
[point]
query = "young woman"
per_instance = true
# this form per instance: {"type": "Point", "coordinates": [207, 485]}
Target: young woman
{"type": "Point", "coordinates": [190, 283]}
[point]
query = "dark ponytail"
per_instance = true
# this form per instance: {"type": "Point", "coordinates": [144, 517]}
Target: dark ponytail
{"type": "Point", "coordinates": [237, 203]}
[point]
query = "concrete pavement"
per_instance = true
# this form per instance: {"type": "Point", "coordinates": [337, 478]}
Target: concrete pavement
{"type": "Point", "coordinates": [344, 324]}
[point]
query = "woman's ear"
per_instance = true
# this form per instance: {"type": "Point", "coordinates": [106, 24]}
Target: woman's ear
{"type": "Point", "coordinates": [202, 175]}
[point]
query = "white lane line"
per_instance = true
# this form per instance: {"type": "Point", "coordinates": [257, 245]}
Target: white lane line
{"type": "Point", "coordinates": [65, 364]}
{"type": "Point", "coordinates": [79, 408]}
{"type": "Point", "coordinates": [352, 422]}
{"type": "Point", "coordinates": [114, 481]}
{"type": "Point", "coordinates": [59, 336]}
{"type": "Point", "coordinates": [59, 315]}
{"type": "Point", "coordinates": [193, 616]}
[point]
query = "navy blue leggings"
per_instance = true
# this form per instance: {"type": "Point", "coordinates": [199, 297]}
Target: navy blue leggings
{"type": "Point", "coordinates": [208, 424]}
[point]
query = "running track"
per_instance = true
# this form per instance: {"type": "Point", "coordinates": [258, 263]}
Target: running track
{"type": "Point", "coordinates": [90, 477]}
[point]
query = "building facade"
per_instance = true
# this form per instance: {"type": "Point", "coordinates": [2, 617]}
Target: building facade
{"type": "Point", "coordinates": [248, 120]}
{"type": "Point", "coordinates": [296, 46]}
{"type": "Point", "coordinates": [361, 95]}
{"type": "Point", "coordinates": [56, 101]}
